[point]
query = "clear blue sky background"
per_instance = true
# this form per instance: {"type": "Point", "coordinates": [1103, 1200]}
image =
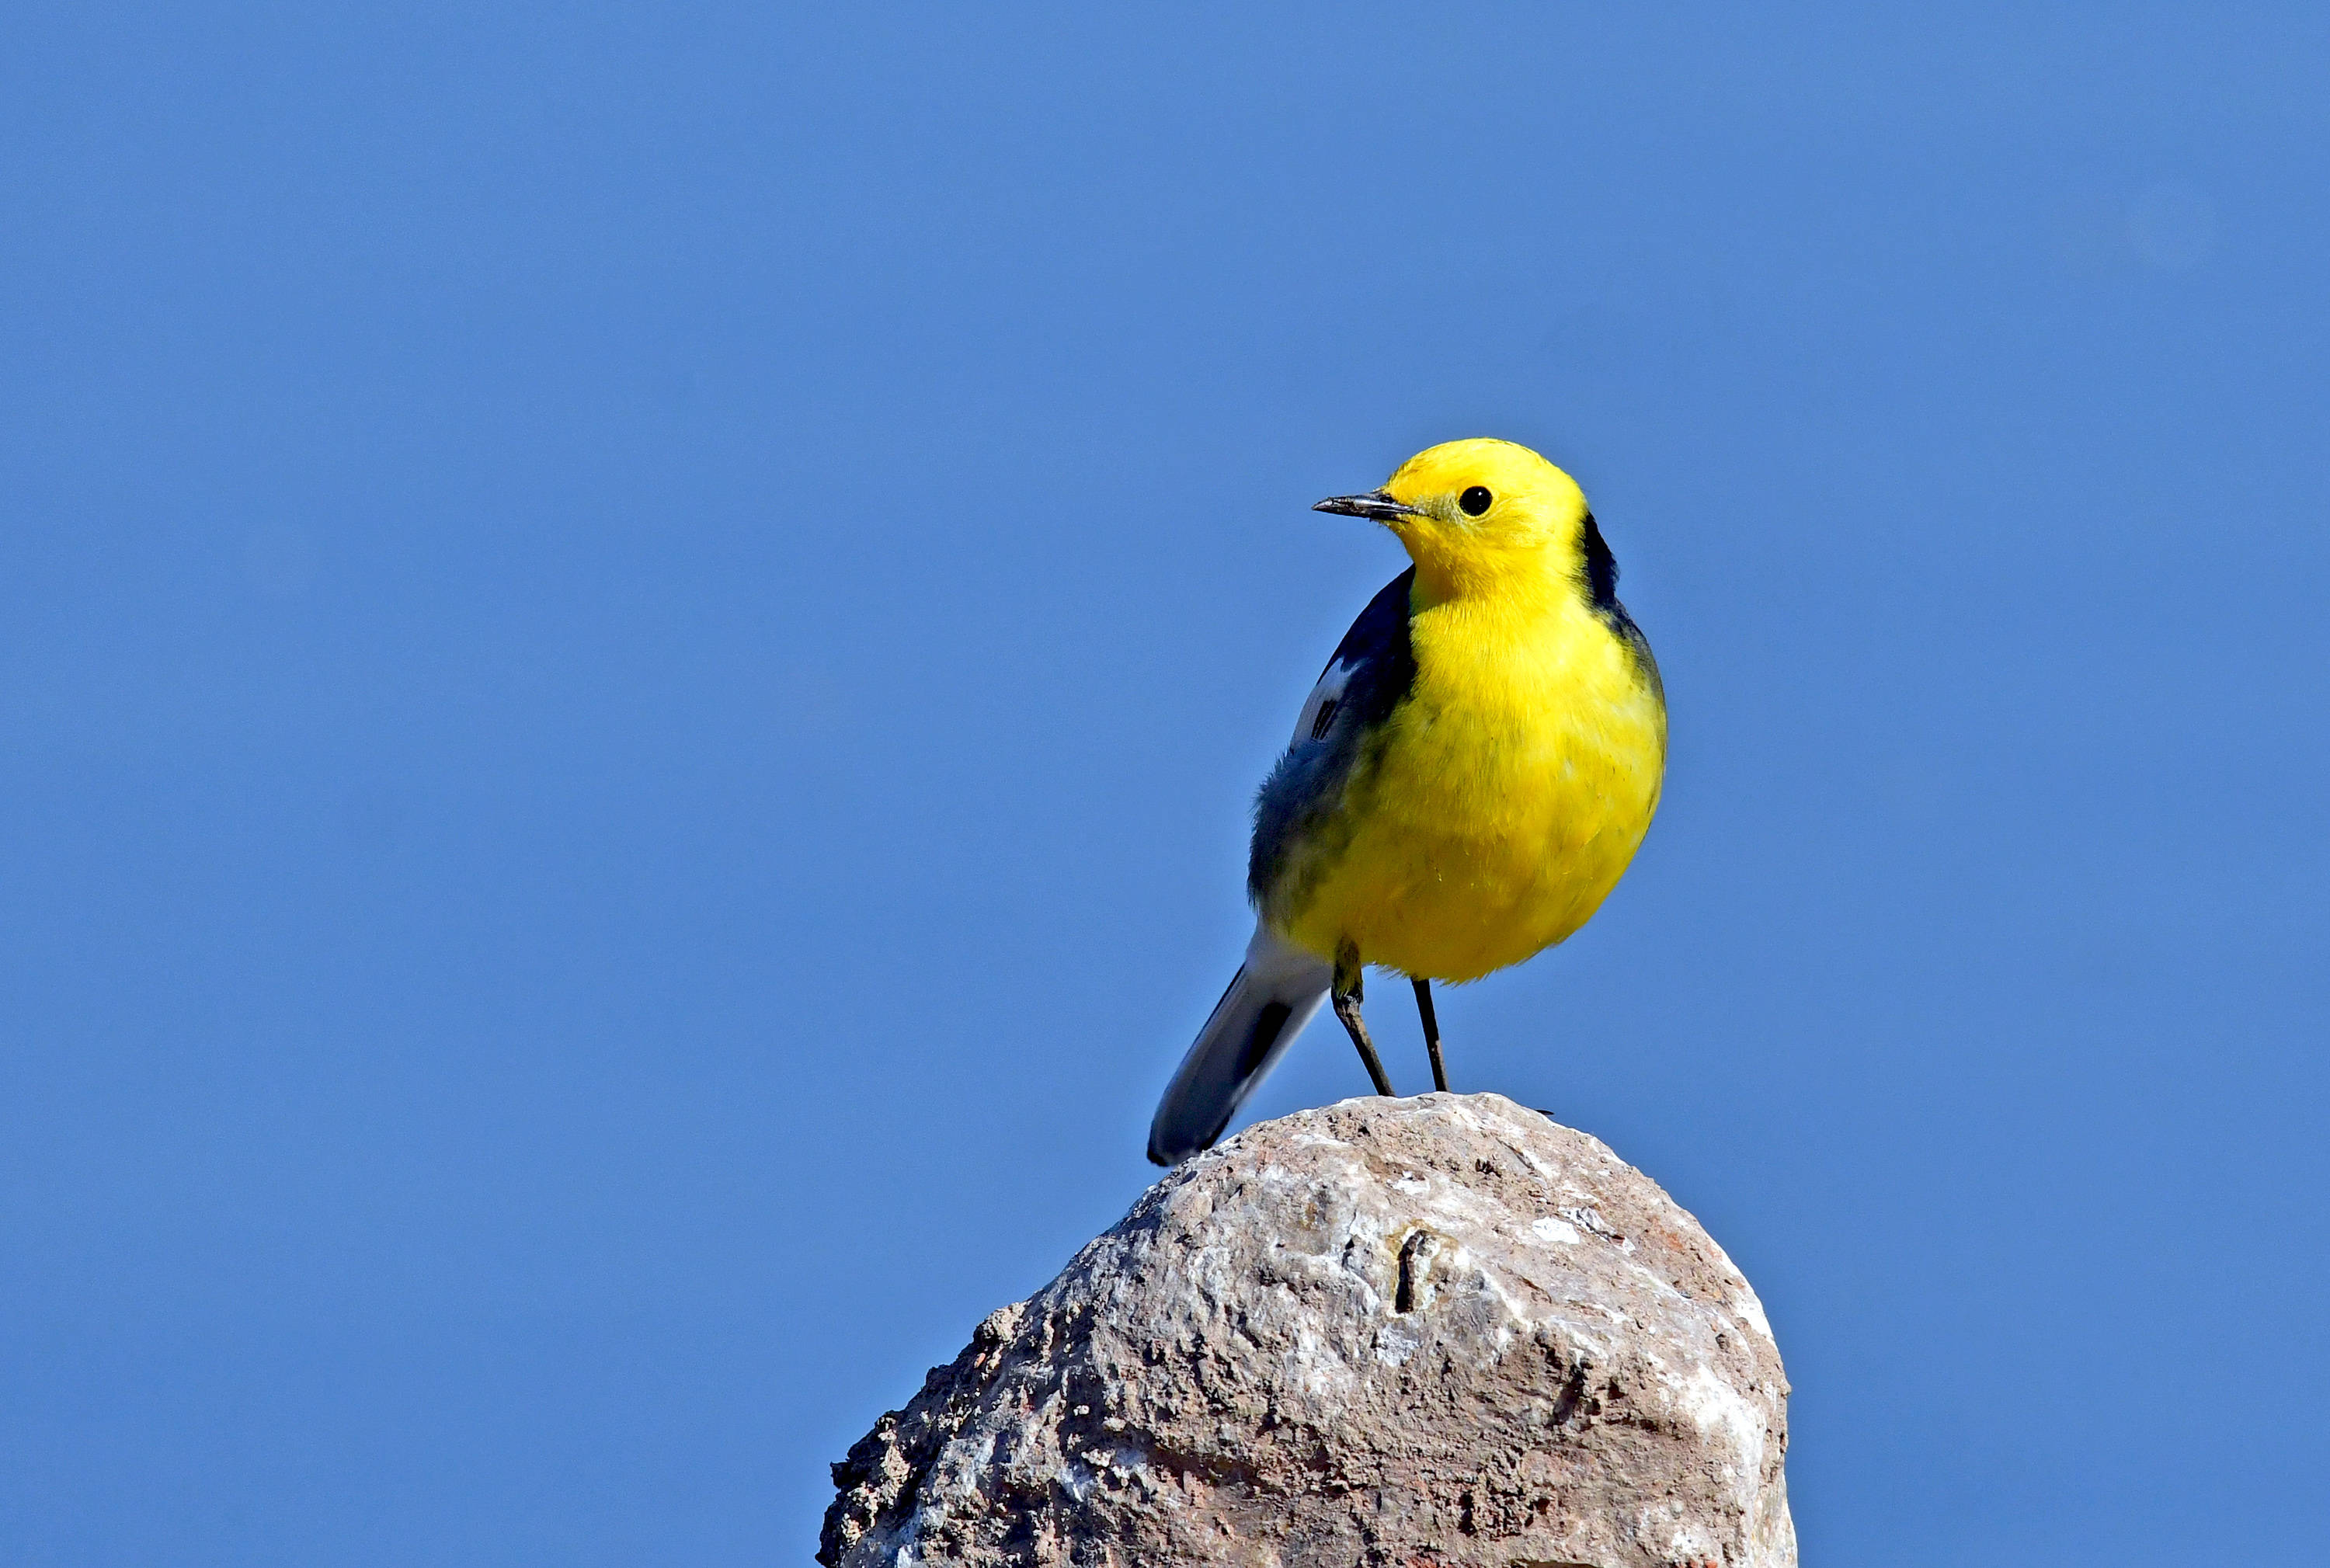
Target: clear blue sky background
{"type": "Point", "coordinates": [633, 644]}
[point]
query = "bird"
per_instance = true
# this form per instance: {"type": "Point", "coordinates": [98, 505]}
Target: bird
{"type": "Point", "coordinates": [1467, 781]}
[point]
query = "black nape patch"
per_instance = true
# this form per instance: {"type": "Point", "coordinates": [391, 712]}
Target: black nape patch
{"type": "Point", "coordinates": [1601, 569]}
{"type": "Point", "coordinates": [1602, 593]}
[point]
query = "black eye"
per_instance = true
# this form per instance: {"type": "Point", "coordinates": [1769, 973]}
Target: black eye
{"type": "Point", "coordinates": [1475, 500]}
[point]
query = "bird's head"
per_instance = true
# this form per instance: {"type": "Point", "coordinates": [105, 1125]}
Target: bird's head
{"type": "Point", "coordinates": [1477, 513]}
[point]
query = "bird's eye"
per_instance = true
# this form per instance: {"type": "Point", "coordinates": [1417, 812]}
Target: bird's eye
{"type": "Point", "coordinates": [1475, 500]}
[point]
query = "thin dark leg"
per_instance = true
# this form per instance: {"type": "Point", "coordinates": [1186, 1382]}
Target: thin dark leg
{"type": "Point", "coordinates": [1346, 996]}
{"type": "Point", "coordinates": [1431, 1034]}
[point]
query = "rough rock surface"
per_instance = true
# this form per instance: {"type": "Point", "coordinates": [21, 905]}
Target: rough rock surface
{"type": "Point", "coordinates": [1439, 1330]}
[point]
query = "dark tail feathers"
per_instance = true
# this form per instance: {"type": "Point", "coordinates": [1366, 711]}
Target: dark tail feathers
{"type": "Point", "coordinates": [1270, 998]}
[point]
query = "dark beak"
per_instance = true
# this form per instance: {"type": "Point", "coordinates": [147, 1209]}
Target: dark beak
{"type": "Point", "coordinates": [1378, 505]}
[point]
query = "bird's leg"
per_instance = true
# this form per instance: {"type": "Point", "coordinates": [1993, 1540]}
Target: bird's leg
{"type": "Point", "coordinates": [1431, 1034]}
{"type": "Point", "coordinates": [1347, 1007]}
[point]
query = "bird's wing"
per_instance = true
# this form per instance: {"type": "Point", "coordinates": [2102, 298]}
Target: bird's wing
{"type": "Point", "coordinates": [1371, 671]}
{"type": "Point", "coordinates": [1280, 985]}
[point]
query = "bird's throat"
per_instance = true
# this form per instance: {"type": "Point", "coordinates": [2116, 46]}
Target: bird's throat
{"type": "Point", "coordinates": [1518, 581]}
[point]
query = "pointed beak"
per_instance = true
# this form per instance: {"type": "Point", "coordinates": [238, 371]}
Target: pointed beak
{"type": "Point", "coordinates": [1376, 504]}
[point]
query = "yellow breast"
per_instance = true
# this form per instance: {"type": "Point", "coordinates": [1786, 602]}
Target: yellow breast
{"type": "Point", "coordinates": [1500, 803]}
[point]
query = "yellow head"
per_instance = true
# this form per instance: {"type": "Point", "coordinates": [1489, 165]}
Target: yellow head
{"type": "Point", "coordinates": [1480, 515]}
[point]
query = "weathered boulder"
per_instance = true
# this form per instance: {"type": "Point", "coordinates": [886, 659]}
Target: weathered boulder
{"type": "Point", "coordinates": [1439, 1330]}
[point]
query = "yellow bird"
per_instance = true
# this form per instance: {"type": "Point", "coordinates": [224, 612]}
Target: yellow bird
{"type": "Point", "coordinates": [1467, 783]}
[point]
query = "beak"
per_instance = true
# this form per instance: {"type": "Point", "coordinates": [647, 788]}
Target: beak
{"type": "Point", "coordinates": [1376, 504]}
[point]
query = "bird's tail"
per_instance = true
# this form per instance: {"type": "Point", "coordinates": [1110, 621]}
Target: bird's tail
{"type": "Point", "coordinates": [1272, 995]}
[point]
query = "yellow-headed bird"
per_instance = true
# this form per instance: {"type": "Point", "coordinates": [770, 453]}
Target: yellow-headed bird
{"type": "Point", "coordinates": [1467, 783]}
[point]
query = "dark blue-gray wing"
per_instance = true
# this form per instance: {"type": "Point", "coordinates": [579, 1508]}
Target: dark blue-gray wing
{"type": "Point", "coordinates": [1294, 815]}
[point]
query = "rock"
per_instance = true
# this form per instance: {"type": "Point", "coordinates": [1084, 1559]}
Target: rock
{"type": "Point", "coordinates": [1440, 1330]}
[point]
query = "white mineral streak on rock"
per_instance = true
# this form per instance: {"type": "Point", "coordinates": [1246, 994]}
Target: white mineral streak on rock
{"type": "Point", "coordinates": [1432, 1331]}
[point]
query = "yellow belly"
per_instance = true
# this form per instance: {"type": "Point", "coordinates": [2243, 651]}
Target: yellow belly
{"type": "Point", "coordinates": [1499, 804]}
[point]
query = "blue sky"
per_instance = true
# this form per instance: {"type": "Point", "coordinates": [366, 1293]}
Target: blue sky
{"type": "Point", "coordinates": [633, 644]}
